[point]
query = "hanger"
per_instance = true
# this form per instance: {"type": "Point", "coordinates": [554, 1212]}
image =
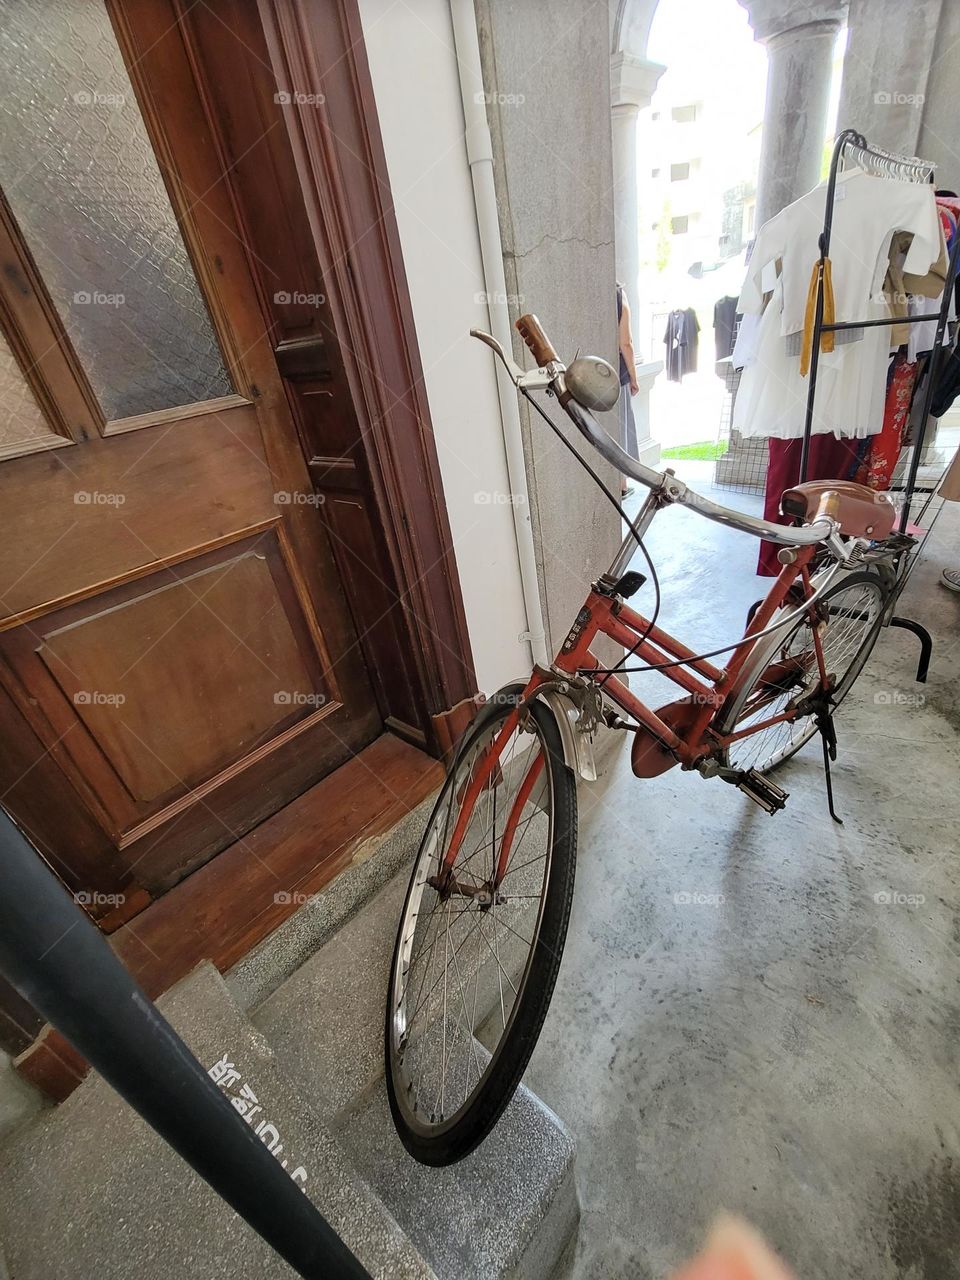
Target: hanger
{"type": "Point", "coordinates": [885, 164]}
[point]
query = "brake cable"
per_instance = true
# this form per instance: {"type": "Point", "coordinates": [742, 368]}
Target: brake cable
{"type": "Point", "coordinates": [654, 578]}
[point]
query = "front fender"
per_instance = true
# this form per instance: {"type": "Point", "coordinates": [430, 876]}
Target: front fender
{"type": "Point", "coordinates": [577, 747]}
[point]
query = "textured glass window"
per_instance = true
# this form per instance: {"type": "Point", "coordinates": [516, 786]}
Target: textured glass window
{"type": "Point", "coordinates": [23, 428]}
{"type": "Point", "coordinates": [81, 178]}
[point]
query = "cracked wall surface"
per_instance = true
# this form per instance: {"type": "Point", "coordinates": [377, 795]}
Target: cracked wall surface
{"type": "Point", "coordinates": [546, 70]}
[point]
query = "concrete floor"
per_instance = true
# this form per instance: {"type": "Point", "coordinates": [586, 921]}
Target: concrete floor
{"type": "Point", "coordinates": [787, 1050]}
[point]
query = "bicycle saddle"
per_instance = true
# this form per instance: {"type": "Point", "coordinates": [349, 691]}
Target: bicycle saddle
{"type": "Point", "coordinates": [859, 511]}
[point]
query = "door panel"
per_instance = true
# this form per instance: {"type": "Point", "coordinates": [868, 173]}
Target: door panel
{"type": "Point", "coordinates": [174, 638]}
{"type": "Point", "coordinates": [194, 688]}
{"type": "Point", "coordinates": [96, 216]}
{"type": "Point", "coordinates": [112, 508]}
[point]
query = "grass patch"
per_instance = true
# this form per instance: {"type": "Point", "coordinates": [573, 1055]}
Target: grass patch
{"type": "Point", "coordinates": [706, 451]}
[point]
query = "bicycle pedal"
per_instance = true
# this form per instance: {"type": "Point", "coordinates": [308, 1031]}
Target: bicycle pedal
{"type": "Point", "coordinates": [760, 789]}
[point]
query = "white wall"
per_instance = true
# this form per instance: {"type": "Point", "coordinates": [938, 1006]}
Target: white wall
{"type": "Point", "coordinates": [414, 69]}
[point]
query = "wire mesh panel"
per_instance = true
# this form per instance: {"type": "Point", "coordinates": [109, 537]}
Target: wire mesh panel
{"type": "Point", "coordinates": [742, 465]}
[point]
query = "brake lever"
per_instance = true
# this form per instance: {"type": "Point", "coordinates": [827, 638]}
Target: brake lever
{"type": "Point", "coordinates": [514, 370]}
{"type": "Point", "coordinates": [523, 380]}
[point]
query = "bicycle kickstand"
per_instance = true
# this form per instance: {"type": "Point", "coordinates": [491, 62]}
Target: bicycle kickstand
{"type": "Point", "coordinates": [828, 738]}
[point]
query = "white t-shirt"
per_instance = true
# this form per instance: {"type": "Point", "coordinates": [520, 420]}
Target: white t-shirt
{"type": "Point", "coordinates": [851, 380]}
{"type": "Point", "coordinates": [867, 212]}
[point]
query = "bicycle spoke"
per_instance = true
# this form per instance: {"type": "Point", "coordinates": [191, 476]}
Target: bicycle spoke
{"type": "Point", "coordinates": [850, 617]}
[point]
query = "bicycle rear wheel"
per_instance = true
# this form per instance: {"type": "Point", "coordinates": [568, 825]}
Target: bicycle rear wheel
{"type": "Point", "coordinates": [482, 932]}
{"type": "Point", "coordinates": [784, 669]}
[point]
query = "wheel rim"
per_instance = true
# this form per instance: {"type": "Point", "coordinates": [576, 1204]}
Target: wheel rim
{"type": "Point", "coordinates": [852, 614]}
{"type": "Point", "coordinates": [464, 957]}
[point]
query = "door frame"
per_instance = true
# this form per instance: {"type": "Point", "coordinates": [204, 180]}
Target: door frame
{"type": "Point", "coordinates": [319, 51]}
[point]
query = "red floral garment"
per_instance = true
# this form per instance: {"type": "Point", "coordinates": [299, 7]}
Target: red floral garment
{"type": "Point", "coordinates": [876, 470]}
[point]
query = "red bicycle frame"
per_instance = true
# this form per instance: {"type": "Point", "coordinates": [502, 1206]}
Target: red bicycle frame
{"type": "Point", "coordinates": [707, 687]}
{"type": "Point", "coordinates": [608, 615]}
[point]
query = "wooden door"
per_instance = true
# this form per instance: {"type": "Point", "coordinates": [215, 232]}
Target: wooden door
{"type": "Point", "coordinates": [177, 658]}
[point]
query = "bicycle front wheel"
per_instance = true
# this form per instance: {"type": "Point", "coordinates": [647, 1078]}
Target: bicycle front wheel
{"type": "Point", "coordinates": [784, 669]}
{"type": "Point", "coordinates": [482, 932]}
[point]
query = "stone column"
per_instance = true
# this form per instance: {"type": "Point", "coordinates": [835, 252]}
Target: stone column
{"type": "Point", "coordinates": [799, 38]}
{"type": "Point", "coordinates": [885, 81]}
{"type": "Point", "coordinates": [632, 83]}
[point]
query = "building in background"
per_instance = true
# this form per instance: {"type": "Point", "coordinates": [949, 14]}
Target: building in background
{"type": "Point", "coordinates": [698, 155]}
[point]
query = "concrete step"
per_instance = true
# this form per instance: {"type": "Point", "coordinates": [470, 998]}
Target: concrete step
{"type": "Point", "coordinates": [375, 862]}
{"type": "Point", "coordinates": [511, 1208]}
{"type": "Point", "coordinates": [88, 1189]}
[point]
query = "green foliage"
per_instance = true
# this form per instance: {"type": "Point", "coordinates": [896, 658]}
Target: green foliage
{"type": "Point", "coordinates": [705, 451]}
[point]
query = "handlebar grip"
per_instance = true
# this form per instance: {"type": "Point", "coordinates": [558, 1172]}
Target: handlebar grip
{"type": "Point", "coordinates": [531, 331]}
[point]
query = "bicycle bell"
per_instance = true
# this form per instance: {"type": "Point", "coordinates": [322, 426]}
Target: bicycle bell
{"type": "Point", "coordinates": [593, 383]}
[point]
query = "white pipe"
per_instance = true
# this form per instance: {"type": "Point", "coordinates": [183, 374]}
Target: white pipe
{"type": "Point", "coordinates": [480, 159]}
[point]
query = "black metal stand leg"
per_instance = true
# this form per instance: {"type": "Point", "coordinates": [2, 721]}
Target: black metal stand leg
{"type": "Point", "coordinates": [926, 644]}
{"type": "Point", "coordinates": [828, 738]}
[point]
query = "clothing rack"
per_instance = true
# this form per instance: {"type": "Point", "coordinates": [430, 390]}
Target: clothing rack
{"type": "Point", "coordinates": [907, 168]}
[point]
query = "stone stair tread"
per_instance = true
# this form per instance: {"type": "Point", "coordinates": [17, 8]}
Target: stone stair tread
{"type": "Point", "coordinates": [88, 1189]}
{"type": "Point", "coordinates": [326, 1021]}
{"type": "Point", "coordinates": [509, 1208]}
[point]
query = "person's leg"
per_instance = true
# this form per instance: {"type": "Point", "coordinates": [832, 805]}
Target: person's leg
{"type": "Point", "coordinates": [628, 434]}
{"type": "Point", "coordinates": [629, 424]}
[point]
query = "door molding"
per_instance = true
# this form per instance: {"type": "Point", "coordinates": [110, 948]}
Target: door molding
{"type": "Point", "coordinates": [319, 57]}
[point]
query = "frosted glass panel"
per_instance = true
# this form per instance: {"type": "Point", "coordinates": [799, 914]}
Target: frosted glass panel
{"type": "Point", "coordinates": [84, 185]}
{"type": "Point", "coordinates": [23, 428]}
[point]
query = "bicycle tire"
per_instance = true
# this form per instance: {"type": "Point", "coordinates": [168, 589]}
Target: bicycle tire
{"type": "Point", "coordinates": [765, 654]}
{"type": "Point", "coordinates": [450, 1141]}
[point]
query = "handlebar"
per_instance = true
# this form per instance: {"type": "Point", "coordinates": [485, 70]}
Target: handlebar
{"type": "Point", "coordinates": [675, 490]}
{"type": "Point", "coordinates": [550, 376]}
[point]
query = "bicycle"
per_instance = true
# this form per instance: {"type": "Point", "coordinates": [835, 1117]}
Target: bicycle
{"type": "Point", "coordinates": [485, 917]}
